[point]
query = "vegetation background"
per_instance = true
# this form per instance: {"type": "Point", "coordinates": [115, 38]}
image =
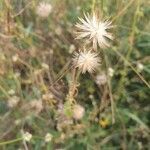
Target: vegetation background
{"type": "Point", "coordinates": [34, 66]}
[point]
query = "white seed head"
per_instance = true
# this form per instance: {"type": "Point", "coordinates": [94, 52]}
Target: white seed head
{"type": "Point", "coordinates": [44, 9]}
{"type": "Point", "coordinates": [94, 30]}
{"type": "Point", "coordinates": [86, 61]}
{"type": "Point", "coordinates": [15, 58]}
{"type": "Point", "coordinates": [78, 112]}
{"type": "Point", "coordinates": [13, 101]}
{"type": "Point", "coordinates": [45, 66]}
{"type": "Point", "coordinates": [140, 66]}
{"type": "Point", "coordinates": [101, 79]}
{"type": "Point", "coordinates": [27, 136]}
{"type": "Point", "coordinates": [48, 137]}
{"type": "Point", "coordinates": [36, 106]}
{"type": "Point", "coordinates": [11, 92]}
{"type": "Point", "coordinates": [110, 72]}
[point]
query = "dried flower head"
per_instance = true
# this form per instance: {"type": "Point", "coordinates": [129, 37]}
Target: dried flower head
{"type": "Point", "coordinates": [48, 137]}
{"type": "Point", "coordinates": [44, 9]}
{"type": "Point", "coordinates": [110, 72]}
{"type": "Point", "coordinates": [27, 136]}
{"type": "Point", "coordinates": [11, 92]}
{"type": "Point", "coordinates": [13, 101]}
{"type": "Point", "coordinates": [78, 112]}
{"type": "Point", "coordinates": [94, 30]}
{"type": "Point", "coordinates": [101, 79]}
{"type": "Point", "coordinates": [86, 61]}
{"type": "Point", "coordinates": [140, 66]}
{"type": "Point", "coordinates": [36, 106]}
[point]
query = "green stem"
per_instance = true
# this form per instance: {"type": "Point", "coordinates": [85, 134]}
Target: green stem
{"type": "Point", "coordinates": [93, 5]}
{"type": "Point", "coordinates": [10, 142]}
{"type": "Point", "coordinates": [110, 91]}
{"type": "Point", "coordinates": [131, 37]}
{"type": "Point", "coordinates": [129, 64]}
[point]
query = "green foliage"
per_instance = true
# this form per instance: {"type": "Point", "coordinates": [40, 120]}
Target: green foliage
{"type": "Point", "coordinates": [38, 42]}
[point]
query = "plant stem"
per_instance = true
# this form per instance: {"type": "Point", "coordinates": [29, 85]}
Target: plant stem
{"type": "Point", "coordinates": [10, 142]}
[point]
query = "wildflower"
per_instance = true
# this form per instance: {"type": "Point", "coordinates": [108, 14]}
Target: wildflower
{"type": "Point", "coordinates": [44, 9]}
{"type": "Point", "coordinates": [103, 122]}
{"type": "Point", "coordinates": [47, 96]}
{"type": "Point", "coordinates": [110, 72]}
{"type": "Point", "coordinates": [13, 101]}
{"type": "Point", "coordinates": [101, 79]}
{"type": "Point", "coordinates": [11, 92]}
{"type": "Point", "coordinates": [94, 30]}
{"type": "Point", "coordinates": [48, 137]}
{"type": "Point", "coordinates": [27, 136]}
{"type": "Point", "coordinates": [91, 96]}
{"type": "Point", "coordinates": [86, 61]}
{"type": "Point", "coordinates": [17, 74]}
{"type": "Point", "coordinates": [15, 58]}
{"type": "Point", "coordinates": [45, 66]}
{"type": "Point", "coordinates": [17, 121]}
{"type": "Point", "coordinates": [78, 112]}
{"type": "Point", "coordinates": [140, 66]}
{"type": "Point", "coordinates": [36, 106]}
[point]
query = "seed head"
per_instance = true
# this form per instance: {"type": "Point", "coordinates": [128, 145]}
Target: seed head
{"type": "Point", "coordinates": [78, 112]}
{"type": "Point", "coordinates": [27, 136]}
{"type": "Point", "coordinates": [94, 30]}
{"type": "Point", "coordinates": [101, 79]}
{"type": "Point", "coordinates": [48, 137]}
{"type": "Point", "coordinates": [44, 9]}
{"type": "Point", "coordinates": [86, 61]}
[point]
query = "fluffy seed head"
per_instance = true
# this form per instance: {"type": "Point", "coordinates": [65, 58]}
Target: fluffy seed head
{"type": "Point", "coordinates": [101, 79]}
{"type": "Point", "coordinates": [48, 137]}
{"type": "Point", "coordinates": [86, 61]}
{"type": "Point", "coordinates": [78, 112]}
{"type": "Point", "coordinates": [110, 72]}
{"type": "Point", "coordinates": [94, 30]}
{"type": "Point", "coordinates": [140, 66]}
{"type": "Point", "coordinates": [13, 101]}
{"type": "Point", "coordinates": [27, 136]}
{"type": "Point", "coordinates": [44, 9]}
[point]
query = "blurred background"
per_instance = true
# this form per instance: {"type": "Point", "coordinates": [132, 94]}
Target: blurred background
{"type": "Point", "coordinates": [37, 39]}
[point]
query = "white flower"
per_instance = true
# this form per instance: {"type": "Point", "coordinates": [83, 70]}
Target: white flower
{"type": "Point", "coordinates": [140, 66]}
{"type": "Point", "coordinates": [11, 92]}
{"type": "Point", "coordinates": [78, 112]}
{"type": "Point", "coordinates": [27, 136]}
{"type": "Point", "coordinates": [45, 66]}
{"type": "Point", "coordinates": [47, 96]}
{"type": "Point", "coordinates": [36, 106]}
{"type": "Point", "coordinates": [15, 58]}
{"type": "Point", "coordinates": [86, 61]}
{"type": "Point", "coordinates": [44, 9]}
{"type": "Point", "coordinates": [48, 137]}
{"type": "Point", "coordinates": [110, 72]}
{"type": "Point", "coordinates": [101, 79]}
{"type": "Point", "coordinates": [94, 30]}
{"type": "Point", "coordinates": [13, 101]}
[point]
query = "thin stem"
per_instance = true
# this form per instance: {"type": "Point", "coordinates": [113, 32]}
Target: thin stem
{"type": "Point", "coordinates": [93, 5]}
{"type": "Point", "coordinates": [123, 10]}
{"type": "Point", "coordinates": [4, 92]}
{"type": "Point", "coordinates": [110, 91]}
{"type": "Point", "coordinates": [10, 142]}
{"type": "Point", "coordinates": [140, 76]}
{"type": "Point", "coordinates": [131, 40]}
